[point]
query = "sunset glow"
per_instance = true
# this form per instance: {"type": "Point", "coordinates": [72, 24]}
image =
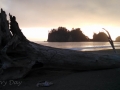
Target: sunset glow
{"type": "Point", "coordinates": [41, 34]}
{"type": "Point", "coordinates": [37, 17]}
{"type": "Point", "coordinates": [36, 34]}
{"type": "Point", "coordinates": [90, 30]}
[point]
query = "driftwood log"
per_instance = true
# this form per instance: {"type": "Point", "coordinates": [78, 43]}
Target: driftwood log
{"type": "Point", "coordinates": [18, 55]}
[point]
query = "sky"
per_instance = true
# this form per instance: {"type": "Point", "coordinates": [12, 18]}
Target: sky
{"type": "Point", "coordinates": [37, 17]}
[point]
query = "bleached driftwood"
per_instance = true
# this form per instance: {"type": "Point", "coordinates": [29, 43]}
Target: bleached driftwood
{"type": "Point", "coordinates": [76, 60]}
{"type": "Point", "coordinates": [16, 57]}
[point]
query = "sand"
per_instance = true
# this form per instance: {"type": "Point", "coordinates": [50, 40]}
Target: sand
{"type": "Point", "coordinates": [108, 79]}
{"type": "Point", "coordinates": [69, 80]}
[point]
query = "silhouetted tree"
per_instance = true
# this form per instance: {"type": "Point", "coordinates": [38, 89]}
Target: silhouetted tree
{"type": "Point", "coordinates": [118, 39]}
{"type": "Point", "coordinates": [77, 35]}
{"type": "Point", "coordinates": [58, 35]}
{"type": "Point", "coordinates": [100, 37]}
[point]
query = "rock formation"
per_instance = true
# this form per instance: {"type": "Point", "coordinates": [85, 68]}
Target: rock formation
{"type": "Point", "coordinates": [63, 35]}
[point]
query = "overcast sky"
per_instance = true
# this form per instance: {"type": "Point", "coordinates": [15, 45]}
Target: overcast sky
{"type": "Point", "coordinates": [89, 15]}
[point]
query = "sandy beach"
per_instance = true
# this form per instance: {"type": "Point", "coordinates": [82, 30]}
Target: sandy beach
{"type": "Point", "coordinates": [69, 80]}
{"type": "Point", "coordinates": [108, 79]}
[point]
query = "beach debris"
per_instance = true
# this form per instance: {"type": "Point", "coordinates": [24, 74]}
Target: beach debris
{"type": "Point", "coordinates": [110, 40]}
{"type": "Point", "coordinates": [44, 84]}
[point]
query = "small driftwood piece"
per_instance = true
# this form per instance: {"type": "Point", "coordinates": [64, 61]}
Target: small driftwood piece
{"type": "Point", "coordinates": [110, 41]}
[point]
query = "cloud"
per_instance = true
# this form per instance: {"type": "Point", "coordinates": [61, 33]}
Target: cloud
{"type": "Point", "coordinates": [50, 13]}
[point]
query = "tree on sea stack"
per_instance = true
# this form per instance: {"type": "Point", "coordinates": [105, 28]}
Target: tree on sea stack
{"type": "Point", "coordinates": [118, 39]}
{"type": "Point", "coordinates": [18, 55]}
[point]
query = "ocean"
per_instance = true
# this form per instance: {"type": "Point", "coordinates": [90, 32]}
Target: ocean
{"type": "Point", "coordinates": [81, 46]}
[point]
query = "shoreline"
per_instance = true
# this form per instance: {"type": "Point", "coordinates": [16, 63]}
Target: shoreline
{"type": "Point", "coordinates": [107, 51]}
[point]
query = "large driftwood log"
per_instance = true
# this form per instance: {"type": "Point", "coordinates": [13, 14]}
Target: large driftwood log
{"type": "Point", "coordinates": [75, 60]}
{"type": "Point", "coordinates": [18, 55]}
